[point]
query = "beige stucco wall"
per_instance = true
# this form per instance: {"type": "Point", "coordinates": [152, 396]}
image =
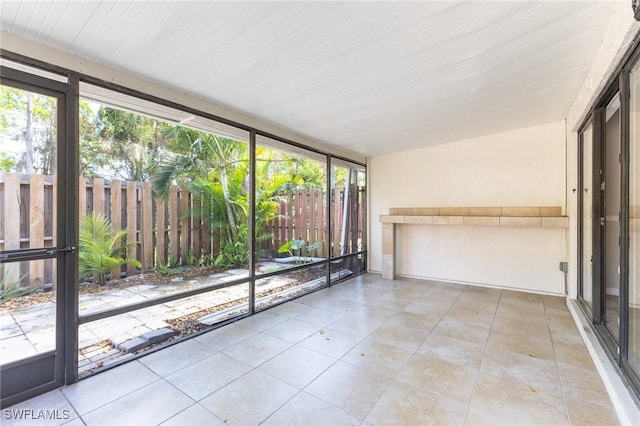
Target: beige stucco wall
{"type": "Point", "coordinates": [525, 167]}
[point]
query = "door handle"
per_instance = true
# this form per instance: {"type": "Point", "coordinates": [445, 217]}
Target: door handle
{"type": "Point", "coordinates": [33, 254]}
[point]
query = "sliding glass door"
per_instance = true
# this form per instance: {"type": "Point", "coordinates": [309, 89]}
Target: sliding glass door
{"type": "Point", "coordinates": [36, 251]}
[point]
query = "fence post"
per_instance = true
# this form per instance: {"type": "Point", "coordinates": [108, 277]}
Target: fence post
{"type": "Point", "coordinates": [196, 217]}
{"type": "Point", "coordinates": [132, 244]}
{"type": "Point", "coordinates": [116, 217]}
{"type": "Point", "coordinates": [324, 224]}
{"type": "Point", "coordinates": [337, 220]}
{"type": "Point", "coordinates": [36, 227]}
{"type": "Point", "coordinates": [173, 224]}
{"type": "Point", "coordinates": [184, 225]}
{"type": "Point", "coordinates": [98, 196]}
{"type": "Point", "coordinates": [290, 216]}
{"type": "Point", "coordinates": [311, 193]}
{"type": "Point", "coordinates": [161, 228]}
{"type": "Point", "coordinates": [301, 210]}
{"type": "Point", "coordinates": [146, 228]}
{"type": "Point", "coordinates": [82, 197]}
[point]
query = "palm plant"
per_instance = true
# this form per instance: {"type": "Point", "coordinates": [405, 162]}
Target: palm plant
{"type": "Point", "coordinates": [216, 170]}
{"type": "Point", "coordinates": [194, 154]}
{"type": "Point", "coordinates": [101, 248]}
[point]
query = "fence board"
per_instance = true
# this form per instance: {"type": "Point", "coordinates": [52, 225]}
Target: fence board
{"type": "Point", "coordinates": [36, 227]}
{"type": "Point", "coordinates": [115, 197]}
{"type": "Point", "coordinates": [132, 243]}
{"type": "Point", "coordinates": [311, 215]}
{"type": "Point", "coordinates": [12, 225]}
{"type": "Point", "coordinates": [98, 196]}
{"type": "Point", "coordinates": [184, 225]}
{"type": "Point", "coordinates": [197, 227]}
{"type": "Point", "coordinates": [146, 227]}
{"type": "Point", "coordinates": [337, 221]}
{"type": "Point", "coordinates": [173, 224]}
{"type": "Point", "coordinates": [302, 216]}
{"type": "Point", "coordinates": [290, 217]}
{"type": "Point", "coordinates": [321, 222]}
{"type": "Point", "coordinates": [161, 233]}
{"type": "Point", "coordinates": [82, 197]}
{"type": "Point", "coordinates": [164, 231]}
{"type": "Point", "coordinates": [207, 239]}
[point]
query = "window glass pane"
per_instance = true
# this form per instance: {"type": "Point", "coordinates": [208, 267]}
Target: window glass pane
{"type": "Point", "coordinates": [348, 220]}
{"type": "Point", "coordinates": [171, 198]}
{"type": "Point", "coordinates": [290, 206]}
{"type": "Point", "coordinates": [634, 221]}
{"type": "Point", "coordinates": [163, 208]}
{"type": "Point", "coordinates": [108, 340]}
{"type": "Point", "coordinates": [28, 162]}
{"type": "Point", "coordinates": [291, 219]}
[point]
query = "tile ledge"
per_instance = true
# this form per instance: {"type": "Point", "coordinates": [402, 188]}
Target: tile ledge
{"type": "Point", "coordinates": [503, 221]}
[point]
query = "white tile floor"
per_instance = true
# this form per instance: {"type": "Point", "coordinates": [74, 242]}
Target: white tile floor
{"type": "Point", "coordinates": [364, 352]}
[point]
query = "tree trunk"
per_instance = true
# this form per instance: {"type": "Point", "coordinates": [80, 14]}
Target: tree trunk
{"type": "Point", "coordinates": [225, 193]}
{"type": "Point", "coordinates": [28, 138]}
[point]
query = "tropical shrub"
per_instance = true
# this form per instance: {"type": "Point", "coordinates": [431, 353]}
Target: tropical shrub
{"type": "Point", "coordinates": [10, 291]}
{"type": "Point", "coordinates": [101, 249]}
{"type": "Point", "coordinates": [235, 252]}
{"type": "Point", "coordinates": [295, 249]}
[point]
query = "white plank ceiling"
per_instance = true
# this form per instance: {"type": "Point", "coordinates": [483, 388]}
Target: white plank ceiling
{"type": "Point", "coordinates": [371, 77]}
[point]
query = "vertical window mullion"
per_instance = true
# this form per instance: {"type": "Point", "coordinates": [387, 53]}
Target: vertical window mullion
{"type": "Point", "coordinates": [252, 222]}
{"type": "Point", "coordinates": [625, 115]}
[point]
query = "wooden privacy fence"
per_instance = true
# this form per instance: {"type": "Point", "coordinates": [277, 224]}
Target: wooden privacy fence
{"type": "Point", "coordinates": [160, 231]}
{"type": "Point", "coordinates": [302, 216]}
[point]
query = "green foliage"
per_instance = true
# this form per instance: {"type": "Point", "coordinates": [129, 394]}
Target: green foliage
{"type": "Point", "coordinates": [168, 268]}
{"type": "Point", "coordinates": [205, 260]}
{"type": "Point", "coordinates": [235, 253]}
{"type": "Point", "coordinates": [7, 163]}
{"type": "Point", "coordinates": [30, 119]}
{"type": "Point", "coordinates": [101, 248]}
{"type": "Point", "coordinates": [128, 143]}
{"type": "Point", "coordinates": [295, 248]}
{"type": "Point", "coordinates": [10, 291]}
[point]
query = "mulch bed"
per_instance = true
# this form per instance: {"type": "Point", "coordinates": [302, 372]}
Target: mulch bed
{"type": "Point", "coordinates": [89, 287]}
{"type": "Point", "coordinates": [189, 324]}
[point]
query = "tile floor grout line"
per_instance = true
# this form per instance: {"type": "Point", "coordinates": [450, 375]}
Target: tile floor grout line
{"type": "Point", "coordinates": [159, 377]}
{"type": "Point", "coordinates": [415, 351]}
{"type": "Point", "coordinates": [555, 362]}
{"type": "Point", "coordinates": [187, 408]}
{"type": "Point", "coordinates": [505, 300]}
{"type": "Point", "coordinates": [71, 404]}
{"type": "Point", "coordinates": [123, 396]}
{"type": "Point", "coordinates": [484, 351]}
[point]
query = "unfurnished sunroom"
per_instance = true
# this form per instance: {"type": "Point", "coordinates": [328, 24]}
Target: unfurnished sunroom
{"type": "Point", "coordinates": [426, 187]}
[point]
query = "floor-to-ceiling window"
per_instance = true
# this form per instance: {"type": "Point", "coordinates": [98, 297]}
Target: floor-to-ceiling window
{"type": "Point", "coordinates": [291, 223]}
{"type": "Point", "coordinates": [36, 241]}
{"type": "Point", "coordinates": [164, 225]}
{"type": "Point", "coordinates": [348, 201]}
